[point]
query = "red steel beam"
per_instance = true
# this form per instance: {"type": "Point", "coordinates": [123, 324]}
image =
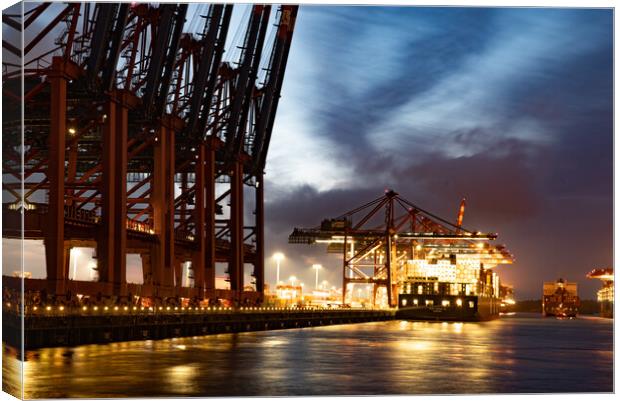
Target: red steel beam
{"type": "Point", "coordinates": [106, 242]}
{"type": "Point", "coordinates": [236, 263]}
{"type": "Point", "coordinates": [54, 232]}
{"type": "Point", "coordinates": [259, 263]}
{"type": "Point", "coordinates": [199, 257]}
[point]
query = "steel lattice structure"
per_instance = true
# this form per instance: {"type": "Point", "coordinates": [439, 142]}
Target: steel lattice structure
{"type": "Point", "coordinates": [377, 238]}
{"type": "Point", "coordinates": [129, 123]}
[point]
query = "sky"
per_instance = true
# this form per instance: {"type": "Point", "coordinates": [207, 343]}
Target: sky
{"type": "Point", "coordinates": [510, 108]}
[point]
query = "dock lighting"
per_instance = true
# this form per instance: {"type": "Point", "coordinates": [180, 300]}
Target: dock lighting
{"type": "Point", "coordinates": [48, 308]}
{"type": "Point", "coordinates": [116, 308]}
{"type": "Point", "coordinates": [95, 307]}
{"type": "Point", "coordinates": [316, 267]}
{"type": "Point", "coordinates": [125, 308]}
{"type": "Point", "coordinates": [459, 302]}
{"type": "Point", "coordinates": [167, 308]}
{"type": "Point", "coordinates": [105, 308]}
{"type": "Point", "coordinates": [84, 307]}
{"type": "Point", "coordinates": [278, 256]}
{"type": "Point", "coordinates": [62, 308]}
{"type": "Point", "coordinates": [35, 308]}
{"type": "Point", "coordinates": [72, 131]}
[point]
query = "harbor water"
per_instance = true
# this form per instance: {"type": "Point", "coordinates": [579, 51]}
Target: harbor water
{"type": "Point", "coordinates": [524, 353]}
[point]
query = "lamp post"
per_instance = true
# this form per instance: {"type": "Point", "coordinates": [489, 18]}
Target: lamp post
{"type": "Point", "coordinates": [317, 267]}
{"type": "Point", "coordinates": [278, 256]}
{"type": "Point", "coordinates": [292, 278]}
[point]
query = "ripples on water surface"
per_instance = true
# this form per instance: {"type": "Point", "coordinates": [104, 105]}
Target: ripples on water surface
{"type": "Point", "coordinates": [510, 355]}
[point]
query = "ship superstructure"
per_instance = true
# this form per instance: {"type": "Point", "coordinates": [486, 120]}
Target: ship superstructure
{"type": "Point", "coordinates": [560, 299]}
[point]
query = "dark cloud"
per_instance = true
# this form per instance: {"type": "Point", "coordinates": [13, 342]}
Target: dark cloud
{"type": "Point", "coordinates": [508, 107]}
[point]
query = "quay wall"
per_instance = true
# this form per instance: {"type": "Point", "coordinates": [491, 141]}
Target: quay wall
{"type": "Point", "coordinates": [55, 329]}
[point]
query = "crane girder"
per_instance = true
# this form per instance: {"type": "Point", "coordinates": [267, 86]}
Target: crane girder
{"type": "Point", "coordinates": [245, 79]}
{"type": "Point", "coordinates": [163, 57]}
{"type": "Point", "coordinates": [273, 86]}
{"type": "Point", "coordinates": [205, 78]}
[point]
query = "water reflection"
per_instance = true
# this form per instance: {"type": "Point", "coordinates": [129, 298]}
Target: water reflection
{"type": "Point", "coordinates": [511, 355]}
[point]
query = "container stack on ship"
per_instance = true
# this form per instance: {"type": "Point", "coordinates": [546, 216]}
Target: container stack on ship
{"type": "Point", "coordinates": [457, 288]}
{"type": "Point", "coordinates": [426, 266]}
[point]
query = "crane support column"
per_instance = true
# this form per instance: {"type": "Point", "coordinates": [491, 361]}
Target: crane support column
{"type": "Point", "coordinates": [235, 267]}
{"type": "Point", "coordinates": [199, 259]}
{"type": "Point", "coordinates": [106, 244]}
{"type": "Point", "coordinates": [120, 195]}
{"type": "Point", "coordinates": [55, 253]}
{"type": "Point", "coordinates": [158, 203]}
{"type": "Point", "coordinates": [259, 264]}
{"type": "Point", "coordinates": [212, 144]}
{"type": "Point", "coordinates": [169, 153]}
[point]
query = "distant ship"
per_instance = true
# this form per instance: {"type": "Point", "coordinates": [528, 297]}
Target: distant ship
{"type": "Point", "coordinates": [560, 299]}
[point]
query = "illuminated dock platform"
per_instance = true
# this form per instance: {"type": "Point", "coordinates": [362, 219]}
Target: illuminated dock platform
{"type": "Point", "coordinates": [56, 327]}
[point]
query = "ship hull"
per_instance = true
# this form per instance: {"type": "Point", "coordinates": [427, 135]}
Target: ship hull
{"type": "Point", "coordinates": [447, 308]}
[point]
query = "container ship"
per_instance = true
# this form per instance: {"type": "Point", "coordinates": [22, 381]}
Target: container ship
{"type": "Point", "coordinates": [457, 289]}
{"type": "Point", "coordinates": [605, 296]}
{"type": "Point", "coordinates": [560, 299]}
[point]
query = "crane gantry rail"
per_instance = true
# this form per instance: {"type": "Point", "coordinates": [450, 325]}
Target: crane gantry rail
{"type": "Point", "coordinates": [375, 241]}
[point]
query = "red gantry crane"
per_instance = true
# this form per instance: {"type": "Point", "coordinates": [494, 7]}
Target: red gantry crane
{"type": "Point", "coordinates": [132, 118]}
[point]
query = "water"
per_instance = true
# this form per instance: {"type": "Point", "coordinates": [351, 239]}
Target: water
{"type": "Point", "coordinates": [520, 354]}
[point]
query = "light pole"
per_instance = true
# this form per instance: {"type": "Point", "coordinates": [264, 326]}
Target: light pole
{"type": "Point", "coordinates": [317, 267]}
{"type": "Point", "coordinates": [278, 256]}
{"type": "Point", "coordinates": [292, 278]}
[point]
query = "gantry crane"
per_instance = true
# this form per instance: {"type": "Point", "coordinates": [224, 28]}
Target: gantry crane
{"type": "Point", "coordinates": [377, 238]}
{"type": "Point", "coordinates": [131, 120]}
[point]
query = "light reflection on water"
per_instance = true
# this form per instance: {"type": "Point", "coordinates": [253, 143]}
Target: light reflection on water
{"type": "Point", "coordinates": [516, 354]}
